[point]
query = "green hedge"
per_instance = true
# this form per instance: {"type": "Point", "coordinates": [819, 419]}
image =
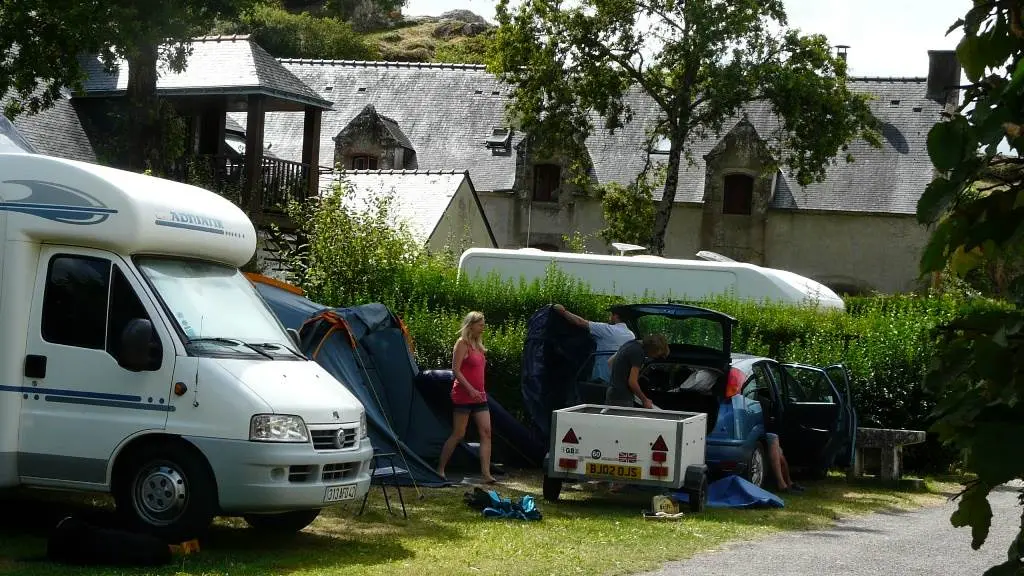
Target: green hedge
{"type": "Point", "coordinates": [884, 341]}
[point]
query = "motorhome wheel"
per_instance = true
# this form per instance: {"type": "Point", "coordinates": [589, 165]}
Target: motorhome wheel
{"type": "Point", "coordinates": [167, 490]}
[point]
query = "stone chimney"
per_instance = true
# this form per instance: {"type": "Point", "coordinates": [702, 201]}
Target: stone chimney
{"type": "Point", "coordinates": [841, 50]}
{"type": "Point", "coordinates": [943, 76]}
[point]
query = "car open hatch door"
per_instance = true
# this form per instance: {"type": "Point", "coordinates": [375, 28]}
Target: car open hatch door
{"type": "Point", "coordinates": [698, 334]}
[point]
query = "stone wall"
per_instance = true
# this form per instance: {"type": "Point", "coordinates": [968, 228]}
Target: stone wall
{"type": "Point", "coordinates": [872, 252]}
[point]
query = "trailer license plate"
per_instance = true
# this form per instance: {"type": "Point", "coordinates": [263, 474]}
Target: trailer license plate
{"type": "Point", "coordinates": [613, 470]}
{"type": "Point", "coordinates": [339, 493]}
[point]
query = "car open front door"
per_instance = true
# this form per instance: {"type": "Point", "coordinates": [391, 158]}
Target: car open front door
{"type": "Point", "coordinates": [811, 431]}
{"type": "Point", "coordinates": [848, 425]}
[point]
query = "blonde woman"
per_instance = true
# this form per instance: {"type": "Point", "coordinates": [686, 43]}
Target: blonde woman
{"type": "Point", "coordinates": [468, 394]}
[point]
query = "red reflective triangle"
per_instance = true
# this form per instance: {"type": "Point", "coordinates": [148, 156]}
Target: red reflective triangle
{"type": "Point", "coordinates": [659, 445]}
{"type": "Point", "coordinates": [570, 437]}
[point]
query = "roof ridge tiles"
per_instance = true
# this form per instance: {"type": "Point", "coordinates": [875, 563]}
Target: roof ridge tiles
{"type": "Point", "coordinates": [383, 64]}
{"type": "Point", "coordinates": [404, 172]}
{"type": "Point", "coordinates": [221, 38]}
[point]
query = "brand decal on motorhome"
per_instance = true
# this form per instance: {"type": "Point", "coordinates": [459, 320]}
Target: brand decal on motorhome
{"type": "Point", "coordinates": [55, 202]}
{"type": "Point", "coordinates": [191, 221]}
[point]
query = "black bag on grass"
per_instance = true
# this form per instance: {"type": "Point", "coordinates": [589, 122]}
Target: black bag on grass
{"type": "Point", "coordinates": [78, 543]}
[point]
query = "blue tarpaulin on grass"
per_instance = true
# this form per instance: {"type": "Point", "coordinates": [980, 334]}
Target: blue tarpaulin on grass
{"type": "Point", "coordinates": [735, 492]}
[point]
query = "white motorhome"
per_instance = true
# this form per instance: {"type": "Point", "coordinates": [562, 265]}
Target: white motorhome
{"type": "Point", "coordinates": [138, 360]}
{"type": "Point", "coordinates": [653, 277]}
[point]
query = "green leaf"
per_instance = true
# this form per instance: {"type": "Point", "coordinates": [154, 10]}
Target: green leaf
{"type": "Point", "coordinates": [974, 511]}
{"type": "Point", "coordinates": [971, 58]}
{"type": "Point", "coordinates": [936, 198]}
{"type": "Point", "coordinates": [949, 142]}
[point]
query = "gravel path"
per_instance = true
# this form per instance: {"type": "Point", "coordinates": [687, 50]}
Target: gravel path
{"type": "Point", "coordinates": [922, 542]}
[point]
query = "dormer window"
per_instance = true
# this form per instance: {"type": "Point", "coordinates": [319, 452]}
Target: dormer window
{"type": "Point", "coordinates": [739, 194]}
{"type": "Point", "coordinates": [500, 139]}
{"type": "Point", "coordinates": [547, 179]}
{"type": "Point", "coordinates": [364, 163]}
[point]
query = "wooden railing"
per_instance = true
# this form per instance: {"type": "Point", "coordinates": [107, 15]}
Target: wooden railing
{"type": "Point", "coordinates": [281, 181]}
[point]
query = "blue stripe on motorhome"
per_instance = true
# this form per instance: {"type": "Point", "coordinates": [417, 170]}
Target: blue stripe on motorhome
{"type": "Point", "coordinates": [58, 207]}
{"type": "Point", "coordinates": [72, 393]}
{"type": "Point", "coordinates": [195, 227]}
{"type": "Point", "coordinates": [111, 403]}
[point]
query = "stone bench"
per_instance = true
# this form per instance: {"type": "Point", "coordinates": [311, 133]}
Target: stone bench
{"type": "Point", "coordinates": [881, 449]}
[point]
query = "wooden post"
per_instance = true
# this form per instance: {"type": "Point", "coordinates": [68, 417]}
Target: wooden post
{"type": "Point", "coordinates": [253, 187]}
{"type": "Point", "coordinates": [311, 149]}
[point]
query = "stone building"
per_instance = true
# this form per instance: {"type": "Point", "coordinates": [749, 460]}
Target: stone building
{"type": "Point", "coordinates": [856, 231]}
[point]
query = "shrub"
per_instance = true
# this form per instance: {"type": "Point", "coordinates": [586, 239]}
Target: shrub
{"type": "Point", "coordinates": [287, 35]}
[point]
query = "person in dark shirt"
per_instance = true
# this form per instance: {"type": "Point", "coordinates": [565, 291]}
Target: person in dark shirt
{"type": "Point", "coordinates": [625, 367]}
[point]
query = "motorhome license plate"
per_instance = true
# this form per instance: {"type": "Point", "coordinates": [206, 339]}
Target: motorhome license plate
{"type": "Point", "coordinates": [613, 470]}
{"type": "Point", "coordinates": [339, 493]}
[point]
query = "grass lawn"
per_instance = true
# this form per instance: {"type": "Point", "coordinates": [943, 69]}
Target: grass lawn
{"type": "Point", "coordinates": [588, 532]}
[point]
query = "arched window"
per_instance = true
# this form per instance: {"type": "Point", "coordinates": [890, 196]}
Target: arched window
{"type": "Point", "coordinates": [739, 194]}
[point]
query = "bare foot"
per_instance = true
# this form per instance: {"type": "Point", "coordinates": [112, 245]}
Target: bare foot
{"type": "Point", "coordinates": [490, 480]}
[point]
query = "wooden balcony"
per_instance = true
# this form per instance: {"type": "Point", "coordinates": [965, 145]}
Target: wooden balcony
{"type": "Point", "coordinates": [281, 180]}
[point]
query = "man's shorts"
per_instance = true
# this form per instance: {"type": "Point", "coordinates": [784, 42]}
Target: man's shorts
{"type": "Point", "coordinates": [471, 408]}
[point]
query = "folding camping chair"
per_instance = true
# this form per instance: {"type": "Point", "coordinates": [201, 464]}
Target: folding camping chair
{"type": "Point", "coordinates": [383, 476]}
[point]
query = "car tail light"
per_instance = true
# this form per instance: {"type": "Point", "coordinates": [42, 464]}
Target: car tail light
{"type": "Point", "coordinates": [659, 456]}
{"type": "Point", "coordinates": [659, 471]}
{"type": "Point", "coordinates": [734, 384]}
{"type": "Point", "coordinates": [567, 463]}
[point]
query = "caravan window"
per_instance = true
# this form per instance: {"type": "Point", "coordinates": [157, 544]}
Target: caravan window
{"type": "Point", "coordinates": [75, 301]}
{"type": "Point", "coordinates": [87, 303]}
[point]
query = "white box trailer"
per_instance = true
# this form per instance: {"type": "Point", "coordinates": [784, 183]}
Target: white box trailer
{"type": "Point", "coordinates": [646, 447]}
{"type": "Point", "coordinates": [653, 277]}
{"type": "Point", "coordinates": [137, 359]}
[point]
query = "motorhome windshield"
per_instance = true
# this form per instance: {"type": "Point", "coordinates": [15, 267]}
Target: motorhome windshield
{"type": "Point", "coordinates": [217, 308]}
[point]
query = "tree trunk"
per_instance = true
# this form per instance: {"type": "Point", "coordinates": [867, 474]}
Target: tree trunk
{"type": "Point", "coordinates": [143, 111]}
{"type": "Point", "coordinates": [668, 197]}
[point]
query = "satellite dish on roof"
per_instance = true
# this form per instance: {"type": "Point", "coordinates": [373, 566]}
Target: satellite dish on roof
{"type": "Point", "coordinates": [713, 256]}
{"type": "Point", "coordinates": [623, 248]}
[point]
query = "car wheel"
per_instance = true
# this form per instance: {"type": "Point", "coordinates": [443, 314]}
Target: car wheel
{"type": "Point", "coordinates": [756, 466]}
{"type": "Point", "coordinates": [283, 523]}
{"type": "Point", "coordinates": [168, 491]}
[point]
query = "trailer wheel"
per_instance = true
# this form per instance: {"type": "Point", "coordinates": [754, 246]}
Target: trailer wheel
{"type": "Point", "coordinates": [552, 488]}
{"type": "Point", "coordinates": [698, 497]}
{"type": "Point", "coordinates": [283, 523]}
{"type": "Point", "coordinates": [168, 491]}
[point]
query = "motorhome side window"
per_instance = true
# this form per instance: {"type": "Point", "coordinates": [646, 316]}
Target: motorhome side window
{"type": "Point", "coordinates": [75, 303]}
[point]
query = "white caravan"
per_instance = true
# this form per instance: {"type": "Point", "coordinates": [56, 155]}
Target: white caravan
{"type": "Point", "coordinates": [137, 359]}
{"type": "Point", "coordinates": [653, 277]}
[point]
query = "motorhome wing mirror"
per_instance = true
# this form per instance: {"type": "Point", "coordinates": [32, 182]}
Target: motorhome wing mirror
{"type": "Point", "coordinates": [295, 337]}
{"type": "Point", "coordinates": [139, 346]}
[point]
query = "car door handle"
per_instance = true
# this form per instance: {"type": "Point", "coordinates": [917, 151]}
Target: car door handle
{"type": "Point", "coordinates": [35, 366]}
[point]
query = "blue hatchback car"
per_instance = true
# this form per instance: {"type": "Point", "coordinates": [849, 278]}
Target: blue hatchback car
{"type": "Point", "coordinates": [745, 396]}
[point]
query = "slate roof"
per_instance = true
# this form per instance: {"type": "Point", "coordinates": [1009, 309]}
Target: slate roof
{"type": "Point", "coordinates": [233, 65]}
{"type": "Point", "coordinates": [56, 131]}
{"type": "Point", "coordinates": [447, 111]}
{"type": "Point", "coordinates": [885, 180]}
{"type": "Point", "coordinates": [421, 196]}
